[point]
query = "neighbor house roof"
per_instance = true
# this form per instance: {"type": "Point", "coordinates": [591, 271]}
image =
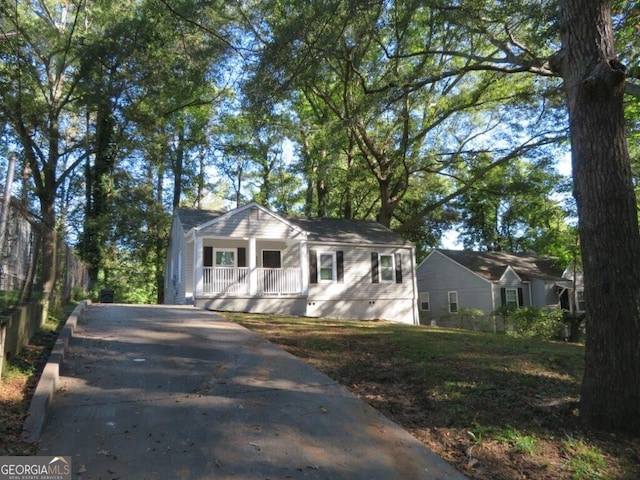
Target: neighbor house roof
{"type": "Point", "coordinates": [492, 265]}
{"type": "Point", "coordinates": [326, 230]}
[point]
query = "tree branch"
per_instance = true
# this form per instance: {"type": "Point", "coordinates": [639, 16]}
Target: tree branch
{"type": "Point", "coordinates": [468, 184]}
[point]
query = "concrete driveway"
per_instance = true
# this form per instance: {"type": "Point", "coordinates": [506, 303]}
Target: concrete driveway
{"type": "Point", "coordinates": [167, 392]}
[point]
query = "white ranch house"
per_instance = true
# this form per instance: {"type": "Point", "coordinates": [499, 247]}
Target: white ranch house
{"type": "Point", "coordinates": [253, 260]}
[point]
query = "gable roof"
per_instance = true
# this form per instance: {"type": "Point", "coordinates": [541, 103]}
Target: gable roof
{"type": "Point", "coordinates": [492, 265]}
{"type": "Point", "coordinates": [337, 230]}
{"type": "Point", "coordinates": [325, 230]}
{"type": "Point", "coordinates": [190, 218]}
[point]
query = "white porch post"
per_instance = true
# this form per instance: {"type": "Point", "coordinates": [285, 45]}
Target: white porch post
{"type": "Point", "coordinates": [304, 267]}
{"type": "Point", "coordinates": [253, 273]}
{"type": "Point", "coordinates": [198, 286]}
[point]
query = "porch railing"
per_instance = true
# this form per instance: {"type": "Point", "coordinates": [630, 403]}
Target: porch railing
{"type": "Point", "coordinates": [232, 280]}
{"type": "Point", "coordinates": [278, 281]}
{"type": "Point", "coordinates": [225, 280]}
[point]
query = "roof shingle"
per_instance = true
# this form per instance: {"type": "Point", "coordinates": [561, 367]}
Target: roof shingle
{"type": "Point", "coordinates": [492, 265]}
{"type": "Point", "coordinates": [327, 230]}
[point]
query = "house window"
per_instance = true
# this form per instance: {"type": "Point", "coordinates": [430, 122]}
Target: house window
{"type": "Point", "coordinates": [326, 264]}
{"type": "Point", "coordinates": [424, 301]}
{"type": "Point", "coordinates": [580, 303]}
{"type": "Point", "coordinates": [511, 298]}
{"type": "Point", "coordinates": [386, 268]}
{"type": "Point", "coordinates": [453, 302]}
{"type": "Point", "coordinates": [225, 258]}
{"type": "Point", "coordinates": [326, 267]}
{"type": "Point", "coordinates": [180, 266]}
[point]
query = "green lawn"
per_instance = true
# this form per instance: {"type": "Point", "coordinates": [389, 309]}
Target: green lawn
{"type": "Point", "coordinates": [497, 407]}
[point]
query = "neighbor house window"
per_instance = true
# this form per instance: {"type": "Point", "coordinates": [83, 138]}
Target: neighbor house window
{"type": "Point", "coordinates": [580, 303]}
{"type": "Point", "coordinates": [453, 302]}
{"type": "Point", "coordinates": [225, 258]}
{"type": "Point", "coordinates": [511, 298]}
{"type": "Point", "coordinates": [424, 301]}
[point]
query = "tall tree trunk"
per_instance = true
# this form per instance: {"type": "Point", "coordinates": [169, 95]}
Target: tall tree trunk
{"type": "Point", "coordinates": [387, 204]}
{"type": "Point", "coordinates": [201, 177]}
{"type": "Point", "coordinates": [99, 189]}
{"type": "Point", "coordinates": [347, 205]}
{"type": "Point", "coordinates": [178, 168]}
{"type": "Point", "coordinates": [46, 192]}
{"type": "Point", "coordinates": [49, 251]}
{"type": "Point", "coordinates": [608, 219]}
{"type": "Point", "coordinates": [27, 287]}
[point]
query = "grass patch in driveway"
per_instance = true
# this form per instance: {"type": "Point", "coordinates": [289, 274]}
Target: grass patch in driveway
{"type": "Point", "coordinates": [495, 406]}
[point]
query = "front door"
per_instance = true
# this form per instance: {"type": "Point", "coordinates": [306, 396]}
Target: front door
{"type": "Point", "coordinates": [271, 279]}
{"type": "Point", "coordinates": [271, 259]}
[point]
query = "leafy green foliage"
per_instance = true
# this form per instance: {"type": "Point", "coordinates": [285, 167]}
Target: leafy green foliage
{"type": "Point", "coordinates": [8, 299]}
{"type": "Point", "coordinates": [531, 322]}
{"type": "Point", "coordinates": [389, 90]}
{"type": "Point", "coordinates": [518, 215]}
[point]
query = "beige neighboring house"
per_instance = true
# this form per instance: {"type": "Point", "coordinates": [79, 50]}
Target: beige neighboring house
{"type": "Point", "coordinates": [254, 260]}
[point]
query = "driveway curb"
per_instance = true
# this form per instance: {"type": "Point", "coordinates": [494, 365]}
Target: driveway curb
{"type": "Point", "coordinates": [48, 382]}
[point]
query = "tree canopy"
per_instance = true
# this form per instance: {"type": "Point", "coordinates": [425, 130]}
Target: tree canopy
{"type": "Point", "coordinates": [425, 116]}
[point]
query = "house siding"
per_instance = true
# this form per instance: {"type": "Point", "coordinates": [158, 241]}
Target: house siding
{"type": "Point", "coordinates": [357, 296]}
{"type": "Point", "coordinates": [175, 283]}
{"type": "Point", "coordinates": [439, 275]}
{"type": "Point", "coordinates": [251, 222]}
{"type": "Point", "coordinates": [480, 280]}
{"type": "Point", "coordinates": [545, 294]}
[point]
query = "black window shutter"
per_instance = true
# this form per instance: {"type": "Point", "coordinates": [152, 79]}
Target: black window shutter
{"type": "Point", "coordinates": [374, 267]}
{"type": "Point", "coordinates": [398, 268]}
{"type": "Point", "coordinates": [520, 298]}
{"type": "Point", "coordinates": [340, 266]}
{"type": "Point", "coordinates": [242, 257]}
{"type": "Point", "coordinates": [313, 266]}
{"type": "Point", "coordinates": [207, 256]}
{"type": "Point", "coordinates": [503, 296]}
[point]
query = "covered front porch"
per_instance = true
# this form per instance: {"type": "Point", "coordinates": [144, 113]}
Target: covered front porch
{"type": "Point", "coordinates": [238, 280]}
{"type": "Point", "coordinates": [249, 267]}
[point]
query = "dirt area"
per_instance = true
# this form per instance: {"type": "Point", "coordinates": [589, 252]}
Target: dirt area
{"type": "Point", "coordinates": [16, 389]}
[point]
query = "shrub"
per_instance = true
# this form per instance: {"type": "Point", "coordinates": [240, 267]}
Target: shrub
{"type": "Point", "coordinates": [530, 322]}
